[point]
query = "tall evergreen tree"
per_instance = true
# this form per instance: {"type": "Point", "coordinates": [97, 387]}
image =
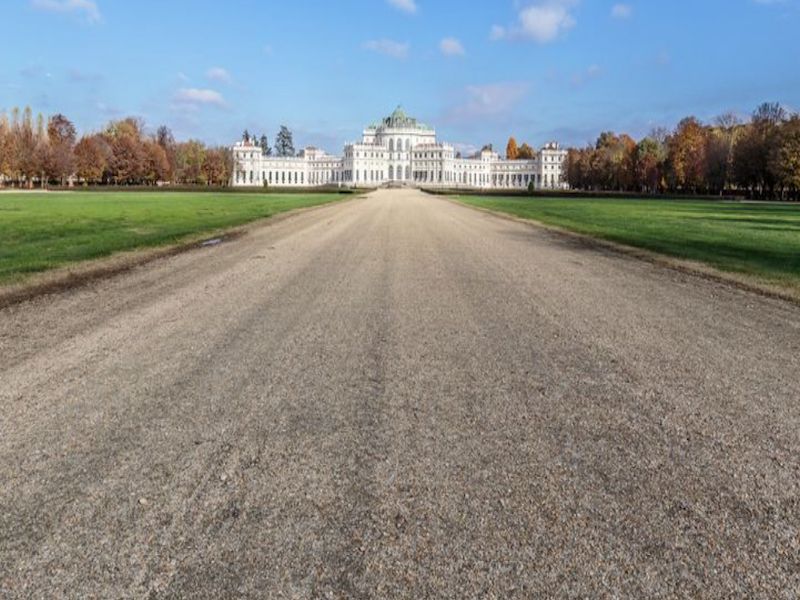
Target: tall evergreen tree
{"type": "Point", "coordinates": [264, 144]}
{"type": "Point", "coordinates": [284, 144]}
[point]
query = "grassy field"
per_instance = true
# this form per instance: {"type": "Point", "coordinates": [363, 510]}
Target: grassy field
{"type": "Point", "coordinates": [761, 240]}
{"type": "Point", "coordinates": [44, 231]}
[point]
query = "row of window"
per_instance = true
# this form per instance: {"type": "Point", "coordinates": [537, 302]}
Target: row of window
{"type": "Point", "coordinates": [376, 176]}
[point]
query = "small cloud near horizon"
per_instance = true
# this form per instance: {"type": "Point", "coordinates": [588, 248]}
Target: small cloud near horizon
{"type": "Point", "coordinates": [195, 98]}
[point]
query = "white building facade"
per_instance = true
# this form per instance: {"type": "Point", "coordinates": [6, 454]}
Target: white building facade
{"type": "Point", "coordinates": [398, 151]}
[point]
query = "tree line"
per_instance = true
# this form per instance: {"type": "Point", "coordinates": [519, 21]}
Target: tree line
{"type": "Point", "coordinates": [47, 151]}
{"type": "Point", "coordinates": [759, 158]}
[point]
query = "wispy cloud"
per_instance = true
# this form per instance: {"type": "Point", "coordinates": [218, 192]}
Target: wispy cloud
{"type": "Point", "coordinates": [388, 47]}
{"type": "Point", "coordinates": [542, 22]}
{"type": "Point", "coordinates": [451, 46]}
{"type": "Point", "coordinates": [590, 73]}
{"type": "Point", "coordinates": [488, 101]}
{"type": "Point", "coordinates": [195, 98]}
{"type": "Point", "coordinates": [87, 8]}
{"type": "Point", "coordinates": [622, 11]}
{"type": "Point", "coordinates": [35, 72]}
{"type": "Point", "coordinates": [409, 6]}
{"type": "Point", "coordinates": [78, 76]}
{"type": "Point", "coordinates": [219, 74]}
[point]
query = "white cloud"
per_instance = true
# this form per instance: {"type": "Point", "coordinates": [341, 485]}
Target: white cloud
{"type": "Point", "coordinates": [451, 47]}
{"type": "Point", "coordinates": [409, 6]}
{"type": "Point", "coordinates": [388, 47]}
{"type": "Point", "coordinates": [465, 149]}
{"type": "Point", "coordinates": [195, 98]}
{"type": "Point", "coordinates": [622, 11]}
{"type": "Point", "coordinates": [542, 22]}
{"type": "Point", "coordinates": [87, 8]}
{"type": "Point", "coordinates": [491, 100]}
{"type": "Point", "coordinates": [218, 74]}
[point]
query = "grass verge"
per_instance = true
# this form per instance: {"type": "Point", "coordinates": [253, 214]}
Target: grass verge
{"type": "Point", "coordinates": [41, 232]}
{"type": "Point", "coordinates": [759, 241]}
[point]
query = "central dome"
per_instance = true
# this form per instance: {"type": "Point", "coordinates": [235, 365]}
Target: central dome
{"type": "Point", "coordinates": [399, 119]}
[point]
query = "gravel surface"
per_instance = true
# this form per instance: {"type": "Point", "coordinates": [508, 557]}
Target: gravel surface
{"type": "Point", "coordinates": [400, 397]}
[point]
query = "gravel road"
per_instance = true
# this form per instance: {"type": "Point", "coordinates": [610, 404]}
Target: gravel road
{"type": "Point", "coordinates": [400, 397]}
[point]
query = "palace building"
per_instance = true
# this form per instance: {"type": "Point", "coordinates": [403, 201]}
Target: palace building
{"type": "Point", "coordinates": [398, 151]}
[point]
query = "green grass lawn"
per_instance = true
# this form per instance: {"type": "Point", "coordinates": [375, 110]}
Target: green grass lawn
{"type": "Point", "coordinates": [43, 231]}
{"type": "Point", "coordinates": [762, 240]}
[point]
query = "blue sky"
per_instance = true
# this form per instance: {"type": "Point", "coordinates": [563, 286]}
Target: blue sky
{"type": "Point", "coordinates": [477, 70]}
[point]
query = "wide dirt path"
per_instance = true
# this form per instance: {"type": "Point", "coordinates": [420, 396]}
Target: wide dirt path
{"type": "Point", "coordinates": [400, 397]}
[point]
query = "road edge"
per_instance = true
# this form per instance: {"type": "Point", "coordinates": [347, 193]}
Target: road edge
{"type": "Point", "coordinates": [698, 269]}
{"type": "Point", "coordinates": [80, 274]}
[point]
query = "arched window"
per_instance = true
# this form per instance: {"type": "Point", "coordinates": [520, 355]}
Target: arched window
{"type": "Point", "coordinates": [391, 172]}
{"type": "Point", "coordinates": [391, 145]}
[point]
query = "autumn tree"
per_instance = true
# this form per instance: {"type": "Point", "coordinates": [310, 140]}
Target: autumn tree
{"type": "Point", "coordinates": [573, 168]}
{"type": "Point", "coordinates": [215, 168]}
{"type": "Point", "coordinates": [127, 160]}
{"type": "Point", "coordinates": [166, 140]}
{"type": "Point", "coordinates": [128, 156]}
{"type": "Point", "coordinates": [526, 152]}
{"type": "Point", "coordinates": [26, 148]}
{"type": "Point", "coordinates": [6, 149]}
{"type": "Point", "coordinates": [156, 164]}
{"type": "Point", "coordinates": [512, 151]}
{"type": "Point", "coordinates": [753, 166]}
{"type": "Point", "coordinates": [61, 135]}
{"type": "Point", "coordinates": [785, 160]}
{"type": "Point", "coordinates": [719, 157]}
{"type": "Point", "coordinates": [92, 156]}
{"type": "Point", "coordinates": [687, 155]}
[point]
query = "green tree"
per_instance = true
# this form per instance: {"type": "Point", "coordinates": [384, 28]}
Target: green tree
{"type": "Point", "coordinates": [284, 144]}
{"type": "Point", "coordinates": [650, 158]}
{"type": "Point", "coordinates": [264, 145]}
{"type": "Point", "coordinates": [191, 156]}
